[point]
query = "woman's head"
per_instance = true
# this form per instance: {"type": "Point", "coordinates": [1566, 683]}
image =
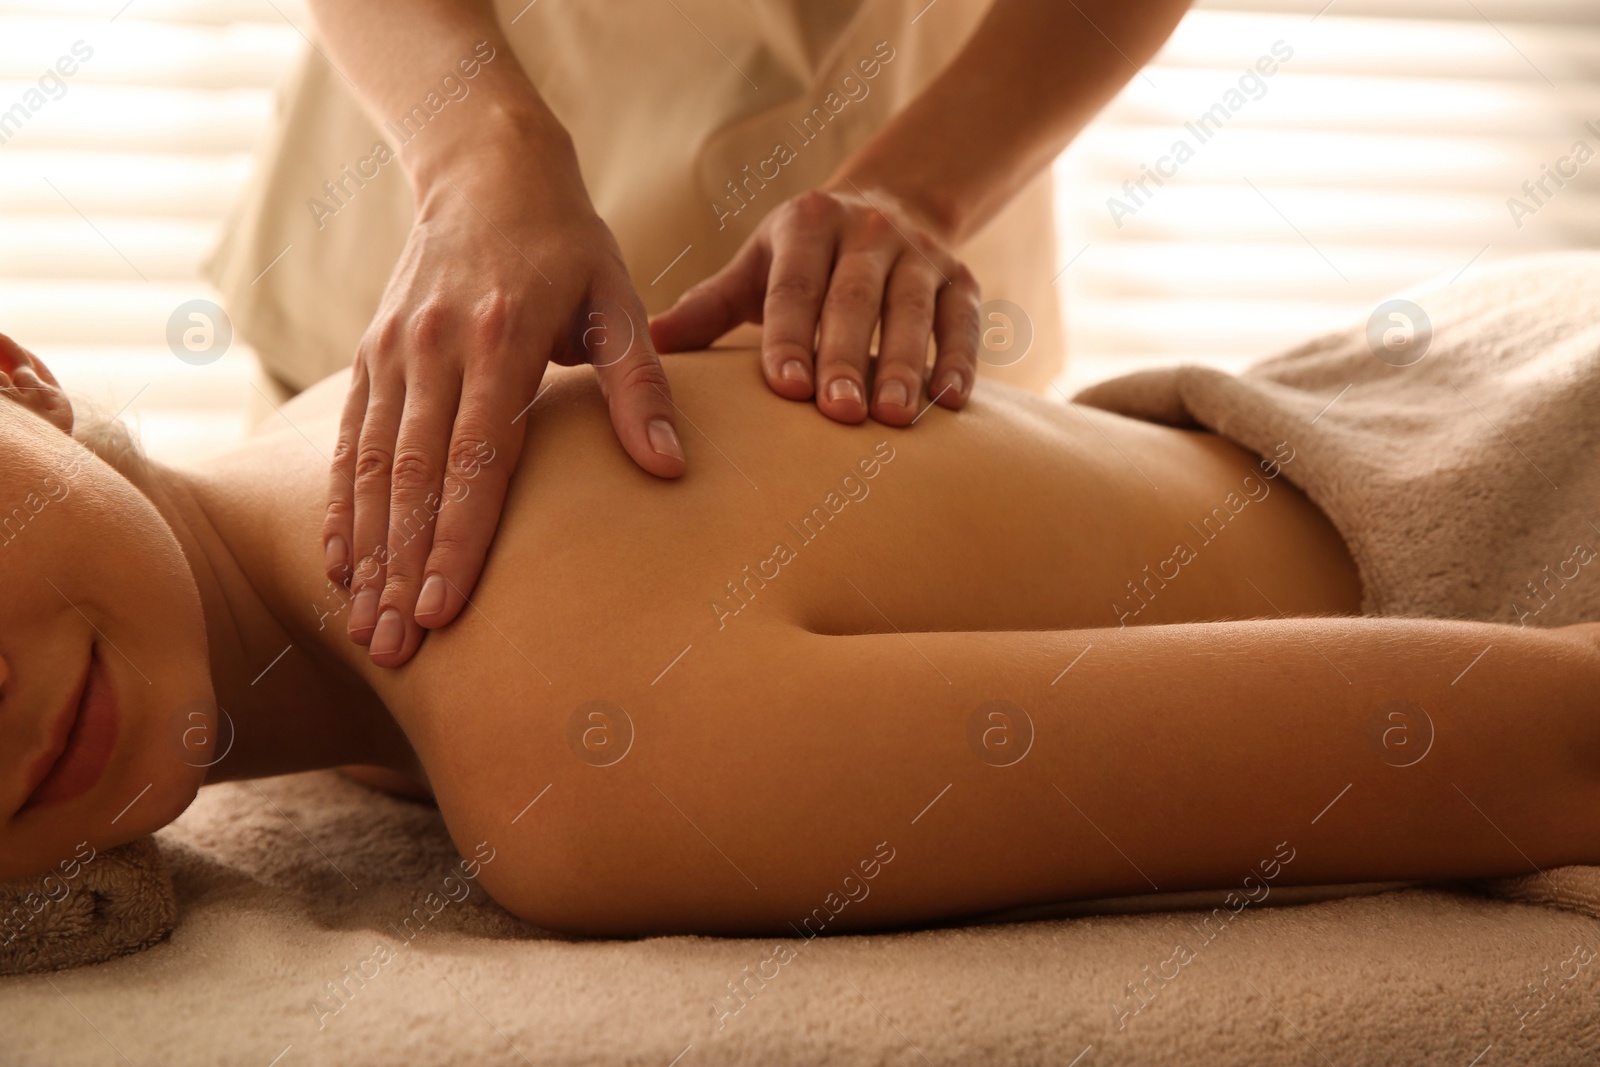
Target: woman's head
{"type": "Point", "coordinates": [103, 652]}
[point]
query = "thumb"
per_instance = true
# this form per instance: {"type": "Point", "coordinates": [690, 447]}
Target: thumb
{"type": "Point", "coordinates": [711, 308]}
{"type": "Point", "coordinates": [640, 400]}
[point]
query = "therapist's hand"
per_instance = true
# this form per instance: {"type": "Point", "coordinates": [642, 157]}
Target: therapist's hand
{"type": "Point", "coordinates": [820, 273]}
{"type": "Point", "coordinates": [505, 270]}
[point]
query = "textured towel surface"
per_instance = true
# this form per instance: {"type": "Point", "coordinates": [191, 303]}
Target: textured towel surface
{"type": "Point", "coordinates": [323, 924]}
{"type": "Point", "coordinates": [300, 899]}
{"type": "Point", "coordinates": [91, 908]}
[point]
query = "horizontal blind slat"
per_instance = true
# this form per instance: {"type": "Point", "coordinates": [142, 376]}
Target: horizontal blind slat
{"type": "Point", "coordinates": [270, 13]}
{"type": "Point", "coordinates": [1231, 40]}
{"type": "Point", "coordinates": [197, 188]}
{"type": "Point", "coordinates": [104, 247]}
{"type": "Point", "coordinates": [66, 312]}
{"type": "Point", "coordinates": [1393, 146]}
{"type": "Point", "coordinates": [153, 54]}
{"type": "Point", "coordinates": [142, 118]}
{"type": "Point", "coordinates": [1573, 12]}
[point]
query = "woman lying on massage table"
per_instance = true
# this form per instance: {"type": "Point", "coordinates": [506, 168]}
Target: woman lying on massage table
{"type": "Point", "coordinates": [925, 669]}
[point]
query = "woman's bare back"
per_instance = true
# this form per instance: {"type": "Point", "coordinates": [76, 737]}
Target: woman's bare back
{"type": "Point", "coordinates": [1018, 513]}
{"type": "Point", "coordinates": [628, 629]}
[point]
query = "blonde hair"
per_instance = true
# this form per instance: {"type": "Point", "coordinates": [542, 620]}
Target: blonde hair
{"type": "Point", "coordinates": [111, 440]}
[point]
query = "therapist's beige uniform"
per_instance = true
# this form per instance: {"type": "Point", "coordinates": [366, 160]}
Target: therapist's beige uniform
{"type": "Point", "coordinates": [667, 102]}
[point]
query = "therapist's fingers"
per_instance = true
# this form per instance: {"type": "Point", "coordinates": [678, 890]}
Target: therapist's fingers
{"type": "Point", "coordinates": [797, 281]}
{"type": "Point", "coordinates": [375, 451]}
{"type": "Point", "coordinates": [849, 315]}
{"type": "Point", "coordinates": [485, 443]}
{"type": "Point", "coordinates": [956, 332]}
{"type": "Point", "coordinates": [338, 527]}
{"type": "Point", "coordinates": [908, 309]}
{"type": "Point", "coordinates": [633, 383]}
{"type": "Point", "coordinates": [416, 485]}
{"type": "Point", "coordinates": [711, 308]}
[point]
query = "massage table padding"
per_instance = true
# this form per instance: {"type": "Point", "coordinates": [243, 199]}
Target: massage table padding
{"type": "Point", "coordinates": [1415, 976]}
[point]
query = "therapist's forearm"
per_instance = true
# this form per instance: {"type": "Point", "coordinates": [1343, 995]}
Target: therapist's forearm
{"type": "Point", "coordinates": [1030, 78]}
{"type": "Point", "coordinates": [395, 52]}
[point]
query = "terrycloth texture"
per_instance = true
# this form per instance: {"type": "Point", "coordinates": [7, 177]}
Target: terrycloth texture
{"type": "Point", "coordinates": [93, 907]}
{"type": "Point", "coordinates": [321, 926]}
{"type": "Point", "coordinates": [288, 884]}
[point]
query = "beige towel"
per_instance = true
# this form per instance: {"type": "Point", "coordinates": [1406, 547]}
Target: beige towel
{"type": "Point", "coordinates": [91, 908]}
{"type": "Point", "coordinates": [321, 927]}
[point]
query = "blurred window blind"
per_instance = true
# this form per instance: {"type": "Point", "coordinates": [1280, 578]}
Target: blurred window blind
{"type": "Point", "coordinates": [1381, 152]}
{"type": "Point", "coordinates": [113, 182]}
{"type": "Point", "coordinates": [1384, 149]}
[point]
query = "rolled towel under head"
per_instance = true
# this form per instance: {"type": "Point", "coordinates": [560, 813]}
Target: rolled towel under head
{"type": "Point", "coordinates": [92, 907]}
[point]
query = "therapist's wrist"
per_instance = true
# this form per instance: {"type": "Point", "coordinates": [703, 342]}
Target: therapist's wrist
{"type": "Point", "coordinates": [919, 203]}
{"type": "Point", "coordinates": [500, 137]}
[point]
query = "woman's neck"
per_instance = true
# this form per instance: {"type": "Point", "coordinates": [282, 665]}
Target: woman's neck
{"type": "Point", "coordinates": [291, 706]}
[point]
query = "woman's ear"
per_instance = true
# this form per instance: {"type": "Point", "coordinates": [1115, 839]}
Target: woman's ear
{"type": "Point", "coordinates": [25, 379]}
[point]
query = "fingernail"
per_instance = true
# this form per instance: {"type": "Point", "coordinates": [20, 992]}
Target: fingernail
{"type": "Point", "coordinates": [431, 600]}
{"type": "Point", "coordinates": [336, 557]}
{"type": "Point", "coordinates": [793, 371]}
{"type": "Point", "coordinates": [664, 439]}
{"type": "Point", "coordinates": [844, 389]}
{"type": "Point", "coordinates": [955, 383]}
{"type": "Point", "coordinates": [893, 394]}
{"type": "Point", "coordinates": [25, 378]}
{"type": "Point", "coordinates": [387, 637]}
{"type": "Point", "coordinates": [364, 610]}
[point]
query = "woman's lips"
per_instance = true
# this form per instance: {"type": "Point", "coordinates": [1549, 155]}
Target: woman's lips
{"type": "Point", "coordinates": [64, 722]}
{"type": "Point", "coordinates": [82, 756]}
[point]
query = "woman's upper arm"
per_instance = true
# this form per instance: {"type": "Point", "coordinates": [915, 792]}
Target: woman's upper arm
{"type": "Point", "coordinates": [1013, 768]}
{"type": "Point", "coordinates": [410, 786]}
